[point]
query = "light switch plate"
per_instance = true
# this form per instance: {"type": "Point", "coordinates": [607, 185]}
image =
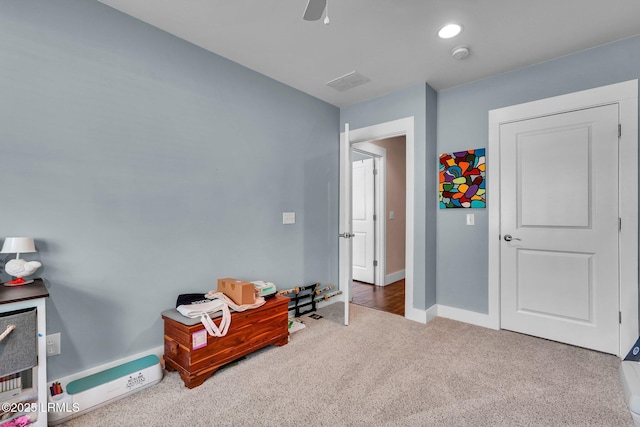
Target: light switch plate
{"type": "Point", "coordinates": [288, 217]}
{"type": "Point", "coordinates": [471, 219]}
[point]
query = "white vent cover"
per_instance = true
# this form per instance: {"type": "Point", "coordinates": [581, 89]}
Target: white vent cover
{"type": "Point", "coordinates": [348, 81]}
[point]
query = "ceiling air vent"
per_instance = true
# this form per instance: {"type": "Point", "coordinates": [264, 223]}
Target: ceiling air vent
{"type": "Point", "coordinates": [348, 81]}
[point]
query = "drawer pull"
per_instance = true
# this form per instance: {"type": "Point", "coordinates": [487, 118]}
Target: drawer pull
{"type": "Point", "coordinates": [7, 331]}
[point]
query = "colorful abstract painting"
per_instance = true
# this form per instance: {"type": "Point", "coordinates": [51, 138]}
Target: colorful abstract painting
{"type": "Point", "coordinates": [462, 182]}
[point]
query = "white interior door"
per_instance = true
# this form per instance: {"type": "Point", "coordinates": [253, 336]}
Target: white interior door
{"type": "Point", "coordinates": [379, 155]}
{"type": "Point", "coordinates": [362, 214]}
{"type": "Point", "coordinates": [345, 247]}
{"type": "Point", "coordinates": [559, 227]}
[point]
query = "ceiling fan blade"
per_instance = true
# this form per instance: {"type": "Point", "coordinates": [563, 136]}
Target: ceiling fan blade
{"type": "Point", "coordinates": [314, 10]}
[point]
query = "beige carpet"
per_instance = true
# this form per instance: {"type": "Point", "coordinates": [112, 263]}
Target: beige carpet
{"type": "Point", "coordinates": [383, 370]}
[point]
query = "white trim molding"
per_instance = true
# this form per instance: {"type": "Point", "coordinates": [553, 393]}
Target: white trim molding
{"type": "Point", "coordinates": [431, 313]}
{"type": "Point", "coordinates": [394, 277]}
{"type": "Point", "coordinates": [466, 316]}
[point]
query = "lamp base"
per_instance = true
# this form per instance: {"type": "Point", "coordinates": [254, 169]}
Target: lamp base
{"type": "Point", "coordinates": [18, 282]}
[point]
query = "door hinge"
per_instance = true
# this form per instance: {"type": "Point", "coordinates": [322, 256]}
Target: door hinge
{"type": "Point", "coordinates": [619, 130]}
{"type": "Point", "coordinates": [375, 263]}
{"type": "Point", "coordinates": [375, 171]}
{"type": "Point", "coordinates": [375, 217]}
{"type": "Point", "coordinates": [619, 224]}
{"type": "Point", "coordinates": [620, 317]}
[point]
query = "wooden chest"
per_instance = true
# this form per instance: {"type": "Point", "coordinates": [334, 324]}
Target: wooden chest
{"type": "Point", "coordinates": [249, 331]}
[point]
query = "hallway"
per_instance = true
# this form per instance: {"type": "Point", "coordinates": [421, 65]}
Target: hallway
{"type": "Point", "coordinates": [388, 298]}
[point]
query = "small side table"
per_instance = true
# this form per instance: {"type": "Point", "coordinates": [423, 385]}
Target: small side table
{"type": "Point", "coordinates": [32, 296]}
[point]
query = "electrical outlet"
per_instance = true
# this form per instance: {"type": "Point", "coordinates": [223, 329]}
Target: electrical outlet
{"type": "Point", "coordinates": [53, 344]}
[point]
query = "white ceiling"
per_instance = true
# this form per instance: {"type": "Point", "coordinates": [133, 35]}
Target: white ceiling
{"type": "Point", "coordinates": [393, 42]}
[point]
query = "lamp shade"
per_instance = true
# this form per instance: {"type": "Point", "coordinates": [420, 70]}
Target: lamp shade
{"type": "Point", "coordinates": [18, 245]}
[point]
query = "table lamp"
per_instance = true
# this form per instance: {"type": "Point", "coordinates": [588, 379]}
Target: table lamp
{"type": "Point", "coordinates": [19, 267]}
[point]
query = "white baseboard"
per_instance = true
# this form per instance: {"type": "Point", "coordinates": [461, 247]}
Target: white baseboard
{"type": "Point", "coordinates": [330, 301]}
{"type": "Point", "coordinates": [421, 316]}
{"type": "Point", "coordinates": [437, 310]}
{"type": "Point", "coordinates": [466, 316]}
{"type": "Point", "coordinates": [432, 312]}
{"type": "Point", "coordinates": [394, 277]}
{"type": "Point", "coordinates": [415, 314]}
{"type": "Point", "coordinates": [158, 351]}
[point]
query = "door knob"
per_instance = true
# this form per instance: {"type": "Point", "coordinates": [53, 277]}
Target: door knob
{"type": "Point", "coordinates": [346, 235]}
{"type": "Point", "coordinates": [508, 238]}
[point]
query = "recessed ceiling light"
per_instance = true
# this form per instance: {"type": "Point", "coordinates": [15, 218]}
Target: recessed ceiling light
{"type": "Point", "coordinates": [449, 30]}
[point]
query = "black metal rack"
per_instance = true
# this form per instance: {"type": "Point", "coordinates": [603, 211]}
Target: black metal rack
{"type": "Point", "coordinates": [308, 295]}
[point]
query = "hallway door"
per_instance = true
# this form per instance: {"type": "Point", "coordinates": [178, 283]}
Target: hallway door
{"type": "Point", "coordinates": [363, 222]}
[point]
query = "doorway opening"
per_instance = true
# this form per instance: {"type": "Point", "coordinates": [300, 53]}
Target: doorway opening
{"type": "Point", "coordinates": [348, 138]}
{"type": "Point", "coordinates": [379, 224]}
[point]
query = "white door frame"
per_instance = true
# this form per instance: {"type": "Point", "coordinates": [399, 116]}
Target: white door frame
{"type": "Point", "coordinates": [379, 155]}
{"type": "Point", "coordinates": [371, 133]}
{"type": "Point", "coordinates": [625, 95]}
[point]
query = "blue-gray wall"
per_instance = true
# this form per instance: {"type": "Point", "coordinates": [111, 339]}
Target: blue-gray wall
{"type": "Point", "coordinates": [420, 102]}
{"type": "Point", "coordinates": [463, 124]}
{"type": "Point", "coordinates": [146, 167]}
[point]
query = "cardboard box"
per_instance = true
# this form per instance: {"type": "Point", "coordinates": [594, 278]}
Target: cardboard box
{"type": "Point", "coordinates": [239, 291]}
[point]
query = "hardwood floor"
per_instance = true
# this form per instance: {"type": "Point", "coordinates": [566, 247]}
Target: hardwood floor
{"type": "Point", "coordinates": [388, 298]}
